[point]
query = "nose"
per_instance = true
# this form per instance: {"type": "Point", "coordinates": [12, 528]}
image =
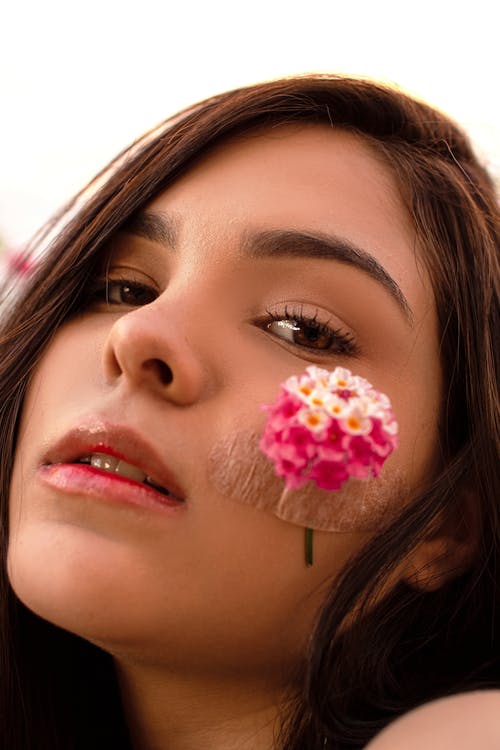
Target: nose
{"type": "Point", "coordinates": [145, 348]}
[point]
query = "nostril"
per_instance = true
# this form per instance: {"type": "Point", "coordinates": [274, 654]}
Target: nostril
{"type": "Point", "coordinates": [160, 369]}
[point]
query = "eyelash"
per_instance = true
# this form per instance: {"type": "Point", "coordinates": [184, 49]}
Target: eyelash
{"type": "Point", "coordinates": [336, 340]}
{"type": "Point", "coordinates": [101, 292]}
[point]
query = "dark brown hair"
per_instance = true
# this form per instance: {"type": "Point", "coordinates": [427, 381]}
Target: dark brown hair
{"type": "Point", "coordinates": [59, 692]}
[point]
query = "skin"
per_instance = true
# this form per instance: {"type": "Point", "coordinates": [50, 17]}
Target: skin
{"type": "Point", "coordinates": [461, 722]}
{"type": "Point", "coordinates": [208, 611]}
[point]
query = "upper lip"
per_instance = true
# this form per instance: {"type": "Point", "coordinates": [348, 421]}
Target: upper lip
{"type": "Point", "coordinates": [97, 435]}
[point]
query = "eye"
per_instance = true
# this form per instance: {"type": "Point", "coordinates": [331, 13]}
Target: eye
{"type": "Point", "coordinates": [120, 292]}
{"type": "Point", "coordinates": [129, 293]}
{"type": "Point", "coordinates": [303, 334]}
{"type": "Point", "coordinates": [307, 332]}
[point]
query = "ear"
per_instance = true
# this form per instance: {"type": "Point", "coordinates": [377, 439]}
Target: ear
{"type": "Point", "coordinates": [447, 551]}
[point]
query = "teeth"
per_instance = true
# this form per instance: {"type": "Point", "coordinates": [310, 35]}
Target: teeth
{"type": "Point", "coordinates": [116, 466]}
{"type": "Point", "coordinates": [154, 484]}
{"type": "Point", "coordinates": [101, 461]}
{"type": "Point", "coordinates": [129, 471]}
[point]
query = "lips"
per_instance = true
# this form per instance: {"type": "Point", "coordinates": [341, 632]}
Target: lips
{"type": "Point", "coordinates": [118, 453]}
{"type": "Point", "coordinates": [112, 465]}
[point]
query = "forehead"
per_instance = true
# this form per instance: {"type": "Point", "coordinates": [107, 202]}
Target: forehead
{"type": "Point", "coordinates": [301, 177]}
{"type": "Point", "coordinates": [305, 169]}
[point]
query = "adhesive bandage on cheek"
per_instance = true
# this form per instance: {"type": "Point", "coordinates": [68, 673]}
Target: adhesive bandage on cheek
{"type": "Point", "coordinates": [325, 435]}
{"type": "Point", "coordinates": [323, 429]}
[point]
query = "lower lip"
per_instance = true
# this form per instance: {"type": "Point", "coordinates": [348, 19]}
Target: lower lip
{"type": "Point", "coordinates": [81, 479]}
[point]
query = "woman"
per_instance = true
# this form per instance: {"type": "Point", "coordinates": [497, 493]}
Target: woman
{"type": "Point", "coordinates": [316, 220]}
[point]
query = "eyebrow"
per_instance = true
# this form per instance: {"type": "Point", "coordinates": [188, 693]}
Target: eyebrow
{"type": "Point", "coordinates": [155, 226]}
{"type": "Point", "coordinates": [296, 244]}
{"type": "Point", "coordinates": [277, 243]}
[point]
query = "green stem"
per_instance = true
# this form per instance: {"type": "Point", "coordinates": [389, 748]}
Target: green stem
{"type": "Point", "coordinates": [308, 540]}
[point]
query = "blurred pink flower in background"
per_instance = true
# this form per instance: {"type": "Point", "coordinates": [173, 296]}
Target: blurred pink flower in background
{"type": "Point", "coordinates": [18, 262]}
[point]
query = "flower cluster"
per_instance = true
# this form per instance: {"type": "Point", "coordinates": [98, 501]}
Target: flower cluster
{"type": "Point", "coordinates": [326, 427]}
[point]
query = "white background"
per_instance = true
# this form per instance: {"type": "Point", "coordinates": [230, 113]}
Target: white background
{"type": "Point", "coordinates": [80, 80]}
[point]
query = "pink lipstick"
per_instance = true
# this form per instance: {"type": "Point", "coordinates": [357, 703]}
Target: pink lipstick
{"type": "Point", "coordinates": [113, 463]}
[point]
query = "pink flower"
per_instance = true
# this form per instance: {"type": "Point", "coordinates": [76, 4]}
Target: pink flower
{"type": "Point", "coordinates": [326, 427]}
{"type": "Point", "coordinates": [19, 263]}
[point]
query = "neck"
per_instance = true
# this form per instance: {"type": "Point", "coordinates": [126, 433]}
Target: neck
{"type": "Point", "coordinates": [185, 712]}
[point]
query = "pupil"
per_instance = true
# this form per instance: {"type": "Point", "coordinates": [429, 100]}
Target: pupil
{"type": "Point", "coordinates": [134, 294]}
{"type": "Point", "coordinates": [312, 334]}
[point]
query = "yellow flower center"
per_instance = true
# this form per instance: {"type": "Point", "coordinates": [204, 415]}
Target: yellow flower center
{"type": "Point", "coordinates": [313, 420]}
{"type": "Point", "coordinates": [353, 423]}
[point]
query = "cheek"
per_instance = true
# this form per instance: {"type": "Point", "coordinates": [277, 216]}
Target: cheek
{"type": "Point", "coordinates": [239, 471]}
{"type": "Point", "coordinates": [65, 379]}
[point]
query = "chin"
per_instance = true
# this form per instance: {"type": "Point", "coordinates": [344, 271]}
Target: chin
{"type": "Point", "coordinates": [76, 581]}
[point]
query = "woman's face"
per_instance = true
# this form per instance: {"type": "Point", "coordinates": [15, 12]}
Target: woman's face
{"type": "Point", "coordinates": [170, 375]}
